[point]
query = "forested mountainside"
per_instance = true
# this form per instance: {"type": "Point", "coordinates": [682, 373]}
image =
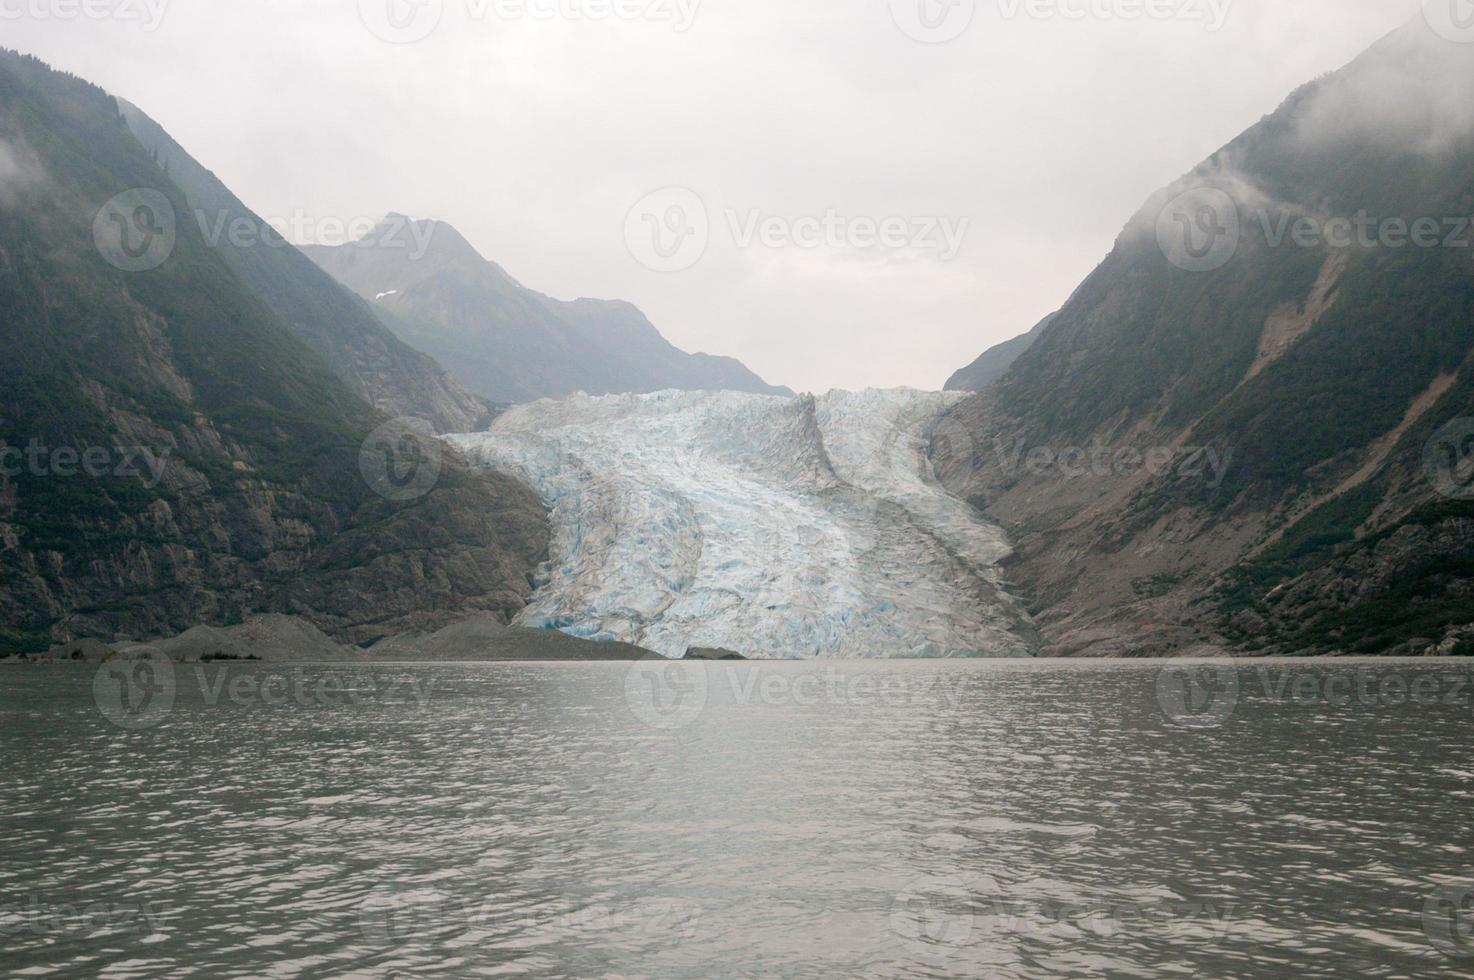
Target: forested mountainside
{"type": "Point", "coordinates": [173, 453]}
{"type": "Point", "coordinates": [994, 362]}
{"type": "Point", "coordinates": [341, 328]}
{"type": "Point", "coordinates": [1249, 427]}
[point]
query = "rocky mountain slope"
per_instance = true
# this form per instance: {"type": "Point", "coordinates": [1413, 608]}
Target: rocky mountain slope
{"type": "Point", "coordinates": [1250, 426]}
{"type": "Point", "coordinates": [504, 341]}
{"type": "Point", "coordinates": [171, 453]}
{"type": "Point", "coordinates": [341, 328]}
{"type": "Point", "coordinates": [994, 362]}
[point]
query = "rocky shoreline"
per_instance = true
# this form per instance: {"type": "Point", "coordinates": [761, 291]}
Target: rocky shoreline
{"type": "Point", "coordinates": [289, 639]}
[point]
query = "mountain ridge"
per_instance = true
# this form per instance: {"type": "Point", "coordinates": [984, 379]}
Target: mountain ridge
{"type": "Point", "coordinates": [341, 328]}
{"type": "Point", "coordinates": [504, 341]}
{"type": "Point", "coordinates": [1325, 375]}
{"type": "Point", "coordinates": [142, 344]}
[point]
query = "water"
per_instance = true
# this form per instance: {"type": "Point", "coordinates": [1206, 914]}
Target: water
{"type": "Point", "coordinates": [804, 819]}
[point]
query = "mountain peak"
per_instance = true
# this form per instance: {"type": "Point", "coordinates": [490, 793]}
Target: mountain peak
{"type": "Point", "coordinates": [432, 241]}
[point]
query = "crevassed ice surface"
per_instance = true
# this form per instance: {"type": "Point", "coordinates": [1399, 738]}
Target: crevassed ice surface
{"type": "Point", "coordinates": [775, 527]}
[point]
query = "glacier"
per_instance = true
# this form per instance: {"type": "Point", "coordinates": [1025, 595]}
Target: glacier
{"type": "Point", "coordinates": [776, 527]}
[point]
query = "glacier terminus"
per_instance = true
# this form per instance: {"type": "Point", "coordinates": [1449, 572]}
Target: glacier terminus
{"type": "Point", "coordinates": [775, 527]}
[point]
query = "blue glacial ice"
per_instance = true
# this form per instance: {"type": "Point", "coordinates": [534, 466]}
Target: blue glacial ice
{"type": "Point", "coordinates": [776, 527]}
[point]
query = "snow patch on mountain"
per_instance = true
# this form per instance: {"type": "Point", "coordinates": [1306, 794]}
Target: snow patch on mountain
{"type": "Point", "coordinates": [777, 527]}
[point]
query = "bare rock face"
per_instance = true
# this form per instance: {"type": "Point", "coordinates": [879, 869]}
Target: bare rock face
{"type": "Point", "coordinates": [712, 653]}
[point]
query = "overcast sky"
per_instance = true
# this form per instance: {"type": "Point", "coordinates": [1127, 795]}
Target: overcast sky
{"type": "Point", "coordinates": [1031, 136]}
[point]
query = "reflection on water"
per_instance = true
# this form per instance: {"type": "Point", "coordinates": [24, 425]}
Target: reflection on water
{"type": "Point", "coordinates": [800, 819]}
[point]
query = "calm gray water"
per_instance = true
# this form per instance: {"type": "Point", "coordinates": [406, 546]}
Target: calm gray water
{"type": "Point", "coordinates": [798, 820]}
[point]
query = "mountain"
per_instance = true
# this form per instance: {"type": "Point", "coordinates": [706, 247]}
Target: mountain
{"type": "Point", "coordinates": [776, 527]}
{"type": "Point", "coordinates": [1250, 428]}
{"type": "Point", "coordinates": [341, 328]}
{"type": "Point", "coordinates": [994, 363]}
{"type": "Point", "coordinates": [504, 341]}
{"type": "Point", "coordinates": [171, 452]}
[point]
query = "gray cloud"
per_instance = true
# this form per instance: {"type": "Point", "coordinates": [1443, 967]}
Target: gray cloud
{"type": "Point", "coordinates": [1426, 108]}
{"type": "Point", "coordinates": [20, 173]}
{"type": "Point", "coordinates": [536, 137]}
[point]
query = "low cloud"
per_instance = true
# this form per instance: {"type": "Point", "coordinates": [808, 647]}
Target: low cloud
{"type": "Point", "coordinates": [20, 173]}
{"type": "Point", "coordinates": [1411, 91]}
